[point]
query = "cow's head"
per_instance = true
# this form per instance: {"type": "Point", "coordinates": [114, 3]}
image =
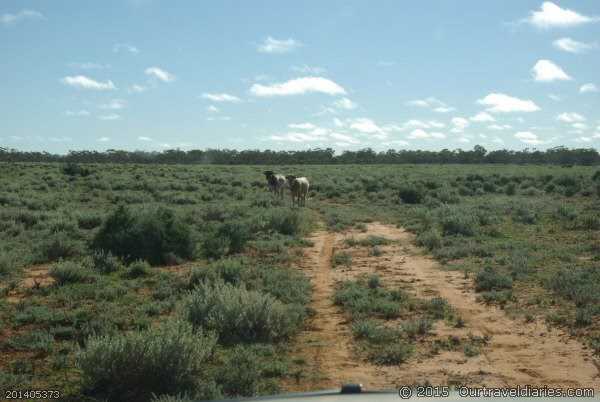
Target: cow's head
{"type": "Point", "coordinates": [268, 173]}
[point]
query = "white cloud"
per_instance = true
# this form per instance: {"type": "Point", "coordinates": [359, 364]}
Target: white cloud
{"type": "Point", "coordinates": [501, 103]}
{"type": "Point", "coordinates": [302, 126]}
{"type": "Point", "coordinates": [432, 103]}
{"type": "Point", "coordinates": [298, 86]}
{"type": "Point", "coordinates": [528, 137]}
{"type": "Point", "coordinates": [108, 117]}
{"type": "Point", "coordinates": [60, 139]}
{"type": "Point", "coordinates": [482, 117]}
{"type": "Point", "coordinates": [418, 134]}
{"type": "Point", "coordinates": [78, 113]}
{"type": "Point", "coordinates": [221, 118]}
{"type": "Point", "coordinates": [459, 123]}
{"type": "Point", "coordinates": [161, 74]}
{"type": "Point", "coordinates": [135, 88]}
{"type": "Point", "coordinates": [555, 98]}
{"type": "Point", "coordinates": [571, 46]}
{"type": "Point", "coordinates": [499, 127]}
{"type": "Point", "coordinates": [212, 109]}
{"type": "Point", "coordinates": [570, 117]}
{"type": "Point", "coordinates": [272, 45]}
{"type": "Point", "coordinates": [586, 88]}
{"type": "Point", "coordinates": [114, 104]}
{"type": "Point", "coordinates": [337, 122]}
{"type": "Point", "coordinates": [344, 103]}
{"type": "Point", "coordinates": [366, 126]}
{"type": "Point", "coordinates": [83, 82]}
{"type": "Point", "coordinates": [547, 71]}
{"type": "Point", "coordinates": [583, 139]}
{"type": "Point", "coordinates": [414, 123]}
{"type": "Point", "coordinates": [344, 138]}
{"type": "Point", "coordinates": [580, 126]}
{"type": "Point", "coordinates": [308, 70]}
{"type": "Point", "coordinates": [552, 16]}
{"type": "Point", "coordinates": [222, 97]}
{"type": "Point", "coordinates": [103, 139]}
{"type": "Point", "coordinates": [142, 138]}
{"type": "Point", "coordinates": [89, 66]}
{"type": "Point", "coordinates": [9, 19]}
{"type": "Point", "coordinates": [119, 47]}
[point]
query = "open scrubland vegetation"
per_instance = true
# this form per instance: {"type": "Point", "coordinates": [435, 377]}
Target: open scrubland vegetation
{"type": "Point", "coordinates": [123, 281]}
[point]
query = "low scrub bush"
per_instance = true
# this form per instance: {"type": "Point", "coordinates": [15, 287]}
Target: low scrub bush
{"type": "Point", "coordinates": [392, 354]}
{"type": "Point", "coordinates": [457, 223]}
{"type": "Point", "coordinates": [489, 279]}
{"type": "Point", "coordinates": [104, 262]}
{"type": "Point", "coordinates": [430, 239]}
{"type": "Point", "coordinates": [240, 315]}
{"type": "Point", "coordinates": [371, 331]}
{"type": "Point", "coordinates": [411, 195]}
{"type": "Point", "coordinates": [342, 258]}
{"type": "Point", "coordinates": [580, 285]}
{"type": "Point", "coordinates": [417, 327]}
{"type": "Point", "coordinates": [169, 359]}
{"type": "Point", "coordinates": [56, 246]}
{"type": "Point", "coordinates": [151, 235]}
{"type": "Point", "coordinates": [137, 269]}
{"type": "Point", "coordinates": [70, 272]}
{"type": "Point", "coordinates": [362, 298]}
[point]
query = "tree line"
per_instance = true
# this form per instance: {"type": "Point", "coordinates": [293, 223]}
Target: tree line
{"type": "Point", "coordinates": [553, 156]}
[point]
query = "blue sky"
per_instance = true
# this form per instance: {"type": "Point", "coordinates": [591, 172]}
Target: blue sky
{"type": "Point", "coordinates": [152, 75]}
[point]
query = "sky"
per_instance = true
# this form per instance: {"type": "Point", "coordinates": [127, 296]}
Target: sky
{"type": "Point", "coordinates": [155, 75]}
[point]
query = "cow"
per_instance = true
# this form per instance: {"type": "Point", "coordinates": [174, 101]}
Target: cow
{"type": "Point", "coordinates": [275, 182]}
{"type": "Point", "coordinates": [298, 188]}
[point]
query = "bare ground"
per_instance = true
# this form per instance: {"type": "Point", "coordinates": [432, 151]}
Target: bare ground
{"type": "Point", "coordinates": [518, 353]}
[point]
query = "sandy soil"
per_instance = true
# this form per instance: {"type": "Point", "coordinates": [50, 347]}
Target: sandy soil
{"type": "Point", "coordinates": [518, 353]}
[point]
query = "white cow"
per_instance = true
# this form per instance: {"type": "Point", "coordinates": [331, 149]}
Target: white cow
{"type": "Point", "coordinates": [299, 189]}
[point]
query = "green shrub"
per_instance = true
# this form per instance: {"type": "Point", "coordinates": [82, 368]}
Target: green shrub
{"type": "Point", "coordinates": [511, 189]}
{"type": "Point", "coordinates": [362, 300]}
{"type": "Point", "coordinates": [342, 258]}
{"type": "Point", "coordinates": [150, 235]}
{"type": "Point", "coordinates": [137, 269]}
{"type": "Point", "coordinates": [489, 279]}
{"type": "Point", "coordinates": [169, 359]}
{"type": "Point", "coordinates": [89, 220]}
{"type": "Point", "coordinates": [589, 222]}
{"type": "Point", "coordinates": [417, 327]}
{"type": "Point", "coordinates": [372, 332]}
{"type": "Point", "coordinates": [286, 221]}
{"type": "Point", "coordinates": [240, 374]}
{"type": "Point", "coordinates": [583, 317]}
{"type": "Point", "coordinates": [438, 308]}
{"type": "Point", "coordinates": [56, 246]}
{"type": "Point", "coordinates": [580, 285]}
{"type": "Point", "coordinates": [73, 169]}
{"type": "Point", "coordinates": [526, 214]}
{"type": "Point", "coordinates": [458, 224]}
{"type": "Point", "coordinates": [240, 315]}
{"type": "Point", "coordinates": [392, 354]}
{"type": "Point", "coordinates": [104, 262]}
{"type": "Point", "coordinates": [430, 239]}
{"type": "Point", "coordinates": [374, 281]}
{"type": "Point", "coordinates": [69, 272]}
{"type": "Point", "coordinates": [411, 195]}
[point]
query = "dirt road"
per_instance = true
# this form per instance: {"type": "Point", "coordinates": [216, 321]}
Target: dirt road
{"type": "Point", "coordinates": [518, 353]}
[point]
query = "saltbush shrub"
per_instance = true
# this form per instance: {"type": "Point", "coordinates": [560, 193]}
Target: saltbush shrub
{"type": "Point", "coordinates": [169, 359]}
{"type": "Point", "coordinates": [456, 223]}
{"type": "Point", "coordinates": [151, 235]}
{"type": "Point", "coordinates": [411, 195]}
{"type": "Point", "coordinates": [239, 315]}
{"type": "Point", "coordinates": [104, 262]}
{"type": "Point", "coordinates": [489, 279]}
{"type": "Point", "coordinates": [69, 272]}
